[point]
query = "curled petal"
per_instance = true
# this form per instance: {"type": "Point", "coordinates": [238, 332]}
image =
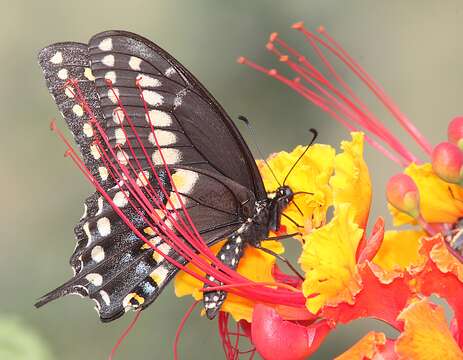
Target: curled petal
{"type": "Point", "coordinates": [400, 251]}
{"type": "Point", "coordinates": [351, 183]}
{"type": "Point", "coordinates": [311, 175]}
{"type": "Point", "coordinates": [329, 261]}
{"type": "Point", "coordinates": [426, 334]}
{"type": "Point", "coordinates": [377, 299]}
{"type": "Point", "coordinates": [254, 265]}
{"type": "Point", "coordinates": [278, 339]}
{"type": "Point", "coordinates": [439, 276]}
{"type": "Point", "coordinates": [370, 246]}
{"type": "Point", "coordinates": [366, 348]}
{"type": "Point", "coordinates": [438, 199]}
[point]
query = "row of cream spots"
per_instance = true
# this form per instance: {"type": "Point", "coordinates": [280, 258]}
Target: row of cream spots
{"type": "Point", "coordinates": [63, 74]}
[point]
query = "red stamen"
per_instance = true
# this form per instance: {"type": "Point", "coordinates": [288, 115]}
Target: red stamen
{"type": "Point", "coordinates": [124, 335]}
{"type": "Point", "coordinates": [181, 326]}
{"type": "Point", "coordinates": [338, 99]}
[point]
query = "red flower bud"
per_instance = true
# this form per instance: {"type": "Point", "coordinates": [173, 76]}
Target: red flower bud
{"type": "Point", "coordinates": [447, 162]}
{"type": "Point", "coordinates": [455, 131]}
{"type": "Point", "coordinates": [278, 339]}
{"type": "Point", "coordinates": [402, 193]}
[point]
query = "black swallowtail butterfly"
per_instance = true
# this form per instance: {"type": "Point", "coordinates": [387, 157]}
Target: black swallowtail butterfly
{"type": "Point", "coordinates": [144, 125]}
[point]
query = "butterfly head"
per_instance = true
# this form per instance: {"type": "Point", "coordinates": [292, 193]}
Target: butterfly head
{"type": "Point", "coordinates": [283, 196]}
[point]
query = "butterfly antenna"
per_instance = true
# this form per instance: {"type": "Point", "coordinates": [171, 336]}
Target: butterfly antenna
{"type": "Point", "coordinates": [314, 136]}
{"type": "Point", "coordinates": [253, 136]}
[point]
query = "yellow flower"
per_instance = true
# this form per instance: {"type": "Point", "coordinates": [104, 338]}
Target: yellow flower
{"type": "Point", "coordinates": [328, 259]}
{"type": "Point", "coordinates": [438, 199]}
{"type": "Point", "coordinates": [351, 183]}
{"type": "Point", "coordinates": [426, 335]}
{"type": "Point", "coordinates": [311, 174]}
{"type": "Point", "coordinates": [255, 265]}
{"type": "Point", "coordinates": [366, 348]}
{"type": "Point", "coordinates": [400, 251]}
{"type": "Point", "coordinates": [329, 254]}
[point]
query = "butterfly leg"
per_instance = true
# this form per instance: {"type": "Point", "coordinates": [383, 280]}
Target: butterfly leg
{"type": "Point", "coordinates": [281, 258]}
{"type": "Point", "coordinates": [229, 255]}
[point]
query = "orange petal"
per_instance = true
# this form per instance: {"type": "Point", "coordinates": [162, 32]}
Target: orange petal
{"type": "Point", "coordinates": [426, 334]}
{"type": "Point", "coordinates": [329, 260]}
{"type": "Point", "coordinates": [376, 299]}
{"type": "Point", "coordinates": [351, 183]}
{"type": "Point", "coordinates": [435, 279]}
{"type": "Point", "coordinates": [366, 348]}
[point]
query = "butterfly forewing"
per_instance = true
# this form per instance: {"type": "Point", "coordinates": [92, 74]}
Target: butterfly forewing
{"type": "Point", "coordinates": [133, 87]}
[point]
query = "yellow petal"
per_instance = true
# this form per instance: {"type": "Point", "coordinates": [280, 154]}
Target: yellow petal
{"type": "Point", "coordinates": [426, 334]}
{"type": "Point", "coordinates": [351, 183]}
{"type": "Point", "coordinates": [437, 203]}
{"type": "Point", "coordinates": [254, 265]}
{"type": "Point", "coordinates": [366, 348]}
{"type": "Point", "coordinates": [400, 250]}
{"type": "Point", "coordinates": [328, 259]}
{"type": "Point", "coordinates": [311, 174]}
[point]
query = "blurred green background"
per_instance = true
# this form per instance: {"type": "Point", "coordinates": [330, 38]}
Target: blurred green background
{"type": "Point", "coordinates": [413, 48]}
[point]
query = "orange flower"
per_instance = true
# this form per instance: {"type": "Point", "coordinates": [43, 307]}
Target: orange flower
{"type": "Point", "coordinates": [426, 335]}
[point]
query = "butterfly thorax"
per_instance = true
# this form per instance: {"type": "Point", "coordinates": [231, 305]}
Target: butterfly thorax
{"type": "Point", "coordinates": [267, 215]}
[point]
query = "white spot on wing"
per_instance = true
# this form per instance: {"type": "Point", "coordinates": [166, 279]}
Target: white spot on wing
{"type": "Point", "coordinates": [163, 137]}
{"type": "Point", "coordinates": [63, 74]}
{"type": "Point", "coordinates": [147, 81]}
{"type": "Point", "coordinates": [122, 157]}
{"type": "Point", "coordinates": [97, 254]}
{"type": "Point", "coordinates": [158, 118]}
{"type": "Point", "coordinates": [105, 297]}
{"type": "Point", "coordinates": [134, 63]}
{"type": "Point", "coordinates": [57, 58]}
{"type": "Point", "coordinates": [108, 60]}
{"type": "Point", "coordinates": [153, 98]}
{"type": "Point", "coordinates": [77, 110]}
{"type": "Point", "coordinates": [106, 44]}
{"type": "Point", "coordinates": [185, 180]}
{"type": "Point", "coordinates": [118, 115]}
{"type": "Point", "coordinates": [87, 232]}
{"type": "Point", "coordinates": [95, 151]}
{"type": "Point", "coordinates": [69, 92]}
{"type": "Point", "coordinates": [100, 206]}
{"type": "Point", "coordinates": [176, 201]}
{"type": "Point", "coordinates": [103, 171]}
{"type": "Point", "coordinates": [95, 279]}
{"type": "Point", "coordinates": [104, 226]}
{"type": "Point", "coordinates": [111, 76]}
{"type": "Point", "coordinates": [88, 74]}
{"type": "Point", "coordinates": [169, 71]}
{"type": "Point", "coordinates": [120, 199]}
{"type": "Point", "coordinates": [84, 215]}
{"type": "Point", "coordinates": [179, 98]}
{"type": "Point", "coordinates": [164, 248]}
{"type": "Point", "coordinates": [113, 95]}
{"type": "Point", "coordinates": [88, 129]}
{"type": "Point", "coordinates": [171, 156]}
{"type": "Point", "coordinates": [120, 136]}
{"type": "Point", "coordinates": [143, 177]}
